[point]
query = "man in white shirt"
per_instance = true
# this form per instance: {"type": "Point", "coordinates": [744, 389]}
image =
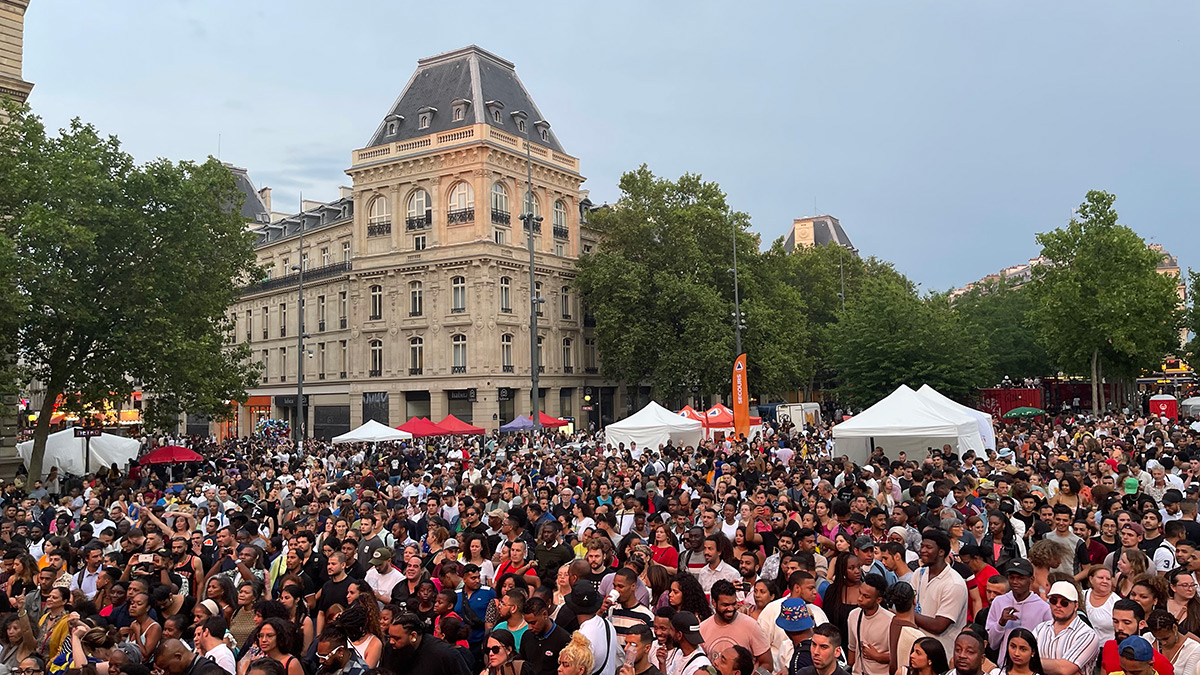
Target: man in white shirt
{"type": "Point", "coordinates": [210, 642]}
{"type": "Point", "coordinates": [714, 568]}
{"type": "Point", "coordinates": [383, 576]}
{"type": "Point", "coordinates": [868, 630]}
{"type": "Point", "coordinates": [941, 602]}
{"type": "Point", "coordinates": [607, 649]}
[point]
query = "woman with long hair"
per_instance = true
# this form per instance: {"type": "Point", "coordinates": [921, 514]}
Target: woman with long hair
{"type": "Point", "coordinates": [576, 658]}
{"type": "Point", "coordinates": [1131, 564]}
{"type": "Point", "coordinates": [1150, 591]}
{"type": "Point", "coordinates": [1001, 544]}
{"type": "Point", "coordinates": [292, 597]}
{"type": "Point", "coordinates": [220, 590]}
{"type": "Point", "coordinates": [763, 594]}
{"type": "Point", "coordinates": [664, 547]}
{"type": "Point", "coordinates": [977, 529]}
{"type": "Point", "coordinates": [1182, 602]}
{"type": "Point", "coordinates": [658, 580]}
{"type": "Point", "coordinates": [275, 642]}
{"type": "Point", "coordinates": [928, 657]}
{"type": "Point", "coordinates": [356, 624]}
{"type": "Point", "coordinates": [1098, 601]}
{"type": "Point", "coordinates": [16, 641]}
{"type": "Point", "coordinates": [498, 655]}
{"type": "Point", "coordinates": [144, 631]}
{"type": "Point", "coordinates": [52, 625]}
{"type": "Point", "coordinates": [1023, 658]}
{"type": "Point", "coordinates": [22, 580]}
{"type": "Point", "coordinates": [687, 595]}
{"type": "Point", "coordinates": [841, 595]}
{"type": "Point", "coordinates": [476, 551]}
{"type": "Point", "coordinates": [1068, 494]}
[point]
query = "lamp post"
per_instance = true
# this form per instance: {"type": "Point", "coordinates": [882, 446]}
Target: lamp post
{"type": "Point", "coordinates": [738, 326]}
{"type": "Point", "coordinates": [534, 301]}
{"type": "Point", "coordinates": [298, 432]}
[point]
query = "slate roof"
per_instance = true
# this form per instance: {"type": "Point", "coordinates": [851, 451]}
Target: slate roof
{"type": "Point", "coordinates": [254, 209]}
{"type": "Point", "coordinates": [828, 230]}
{"type": "Point", "coordinates": [471, 74]}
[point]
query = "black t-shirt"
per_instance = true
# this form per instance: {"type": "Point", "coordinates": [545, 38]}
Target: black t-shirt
{"type": "Point", "coordinates": [541, 652]}
{"type": "Point", "coordinates": [596, 577]}
{"type": "Point", "coordinates": [334, 593]}
{"type": "Point", "coordinates": [1149, 546]}
{"type": "Point", "coordinates": [1192, 530]}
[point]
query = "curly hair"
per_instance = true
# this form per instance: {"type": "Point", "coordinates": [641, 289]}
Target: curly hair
{"type": "Point", "coordinates": [579, 652]}
{"type": "Point", "coordinates": [692, 596]}
{"type": "Point", "coordinates": [1047, 554]}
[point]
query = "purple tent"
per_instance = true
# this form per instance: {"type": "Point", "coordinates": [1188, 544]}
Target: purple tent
{"type": "Point", "coordinates": [522, 423]}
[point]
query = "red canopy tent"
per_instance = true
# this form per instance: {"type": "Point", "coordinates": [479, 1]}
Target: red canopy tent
{"type": "Point", "coordinates": [549, 422]}
{"type": "Point", "coordinates": [457, 427]}
{"type": "Point", "coordinates": [421, 427]}
{"type": "Point", "coordinates": [170, 454]}
{"type": "Point", "coordinates": [722, 416]}
{"type": "Point", "coordinates": [690, 413]}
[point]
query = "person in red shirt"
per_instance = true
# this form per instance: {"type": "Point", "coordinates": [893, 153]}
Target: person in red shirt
{"type": "Point", "coordinates": [972, 557]}
{"type": "Point", "coordinates": [1128, 619]}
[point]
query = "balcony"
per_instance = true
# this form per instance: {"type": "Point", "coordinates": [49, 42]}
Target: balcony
{"type": "Point", "coordinates": [311, 274]}
{"type": "Point", "coordinates": [566, 316]}
{"type": "Point", "coordinates": [568, 369]}
{"type": "Point", "coordinates": [413, 313]}
{"type": "Point", "coordinates": [509, 368]}
{"type": "Point", "coordinates": [375, 317]}
{"type": "Point", "coordinates": [342, 323]}
{"type": "Point", "coordinates": [458, 370]}
{"type": "Point", "coordinates": [460, 216]}
{"type": "Point", "coordinates": [506, 310]}
{"type": "Point", "coordinates": [458, 310]}
{"type": "Point", "coordinates": [414, 223]}
{"type": "Point", "coordinates": [561, 232]}
{"type": "Point", "coordinates": [591, 370]}
{"type": "Point", "coordinates": [379, 229]}
{"type": "Point", "coordinates": [414, 371]}
{"type": "Point", "coordinates": [537, 227]}
{"type": "Point", "coordinates": [321, 326]}
{"type": "Point", "coordinates": [501, 217]}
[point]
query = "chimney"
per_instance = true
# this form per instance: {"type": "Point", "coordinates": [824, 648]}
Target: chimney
{"type": "Point", "coordinates": [345, 192]}
{"type": "Point", "coordinates": [265, 195]}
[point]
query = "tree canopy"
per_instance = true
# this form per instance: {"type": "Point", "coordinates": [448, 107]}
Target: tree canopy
{"type": "Point", "coordinates": [119, 275]}
{"type": "Point", "coordinates": [999, 313]}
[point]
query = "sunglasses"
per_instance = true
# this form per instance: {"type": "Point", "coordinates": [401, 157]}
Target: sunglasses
{"type": "Point", "coordinates": [495, 650]}
{"type": "Point", "coordinates": [1059, 601]}
{"type": "Point", "coordinates": [325, 657]}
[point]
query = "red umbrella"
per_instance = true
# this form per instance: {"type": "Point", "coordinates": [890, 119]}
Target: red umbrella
{"type": "Point", "coordinates": [170, 454]}
{"type": "Point", "coordinates": [420, 427]}
{"type": "Point", "coordinates": [549, 422]}
{"type": "Point", "coordinates": [455, 426]}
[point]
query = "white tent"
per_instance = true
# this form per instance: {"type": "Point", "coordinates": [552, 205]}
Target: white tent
{"type": "Point", "coordinates": [905, 421]}
{"type": "Point", "coordinates": [372, 432]}
{"type": "Point", "coordinates": [653, 426]}
{"type": "Point", "coordinates": [1190, 407]}
{"type": "Point", "coordinates": [67, 452]}
{"type": "Point", "coordinates": [987, 432]}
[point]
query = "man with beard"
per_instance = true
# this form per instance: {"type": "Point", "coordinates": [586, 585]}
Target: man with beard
{"type": "Point", "coordinates": [728, 627]}
{"type": "Point", "coordinates": [512, 616]}
{"type": "Point", "coordinates": [1128, 619]}
{"type": "Point", "coordinates": [968, 652]}
{"type": "Point", "coordinates": [412, 651]}
{"type": "Point", "coordinates": [1067, 644]}
{"type": "Point", "coordinates": [826, 644]}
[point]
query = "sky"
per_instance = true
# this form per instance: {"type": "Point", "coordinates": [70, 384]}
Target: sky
{"type": "Point", "coordinates": [943, 136]}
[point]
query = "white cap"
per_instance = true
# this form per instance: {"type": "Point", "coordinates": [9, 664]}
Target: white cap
{"type": "Point", "coordinates": [1064, 589]}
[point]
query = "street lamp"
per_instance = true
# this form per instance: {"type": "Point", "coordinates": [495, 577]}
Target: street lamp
{"type": "Point", "coordinates": [298, 432]}
{"type": "Point", "coordinates": [532, 221]}
{"type": "Point", "coordinates": [738, 318]}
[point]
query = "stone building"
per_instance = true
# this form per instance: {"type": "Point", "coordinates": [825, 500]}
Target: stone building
{"type": "Point", "coordinates": [416, 282]}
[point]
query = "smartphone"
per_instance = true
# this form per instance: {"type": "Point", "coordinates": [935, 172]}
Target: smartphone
{"type": "Point", "coordinates": [146, 558]}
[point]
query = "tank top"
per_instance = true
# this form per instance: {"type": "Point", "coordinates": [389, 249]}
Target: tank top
{"type": "Point", "coordinates": [187, 573]}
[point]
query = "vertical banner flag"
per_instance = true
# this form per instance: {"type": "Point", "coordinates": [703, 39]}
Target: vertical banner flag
{"type": "Point", "coordinates": [741, 398]}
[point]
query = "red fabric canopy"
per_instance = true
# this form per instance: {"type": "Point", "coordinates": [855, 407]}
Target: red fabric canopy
{"type": "Point", "coordinates": [457, 427]}
{"type": "Point", "coordinates": [549, 422]}
{"type": "Point", "coordinates": [420, 427]}
{"type": "Point", "coordinates": [690, 413]}
{"type": "Point", "coordinates": [721, 416]}
{"type": "Point", "coordinates": [170, 454]}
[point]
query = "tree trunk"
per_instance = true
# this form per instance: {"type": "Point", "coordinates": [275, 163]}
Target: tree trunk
{"type": "Point", "coordinates": [1103, 396]}
{"type": "Point", "coordinates": [41, 432]}
{"type": "Point", "coordinates": [1096, 382]}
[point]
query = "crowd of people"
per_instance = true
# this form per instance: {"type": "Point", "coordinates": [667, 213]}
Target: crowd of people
{"type": "Point", "coordinates": [1070, 549]}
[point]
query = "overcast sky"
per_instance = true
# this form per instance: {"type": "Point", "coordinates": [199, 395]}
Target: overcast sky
{"type": "Point", "coordinates": [942, 135]}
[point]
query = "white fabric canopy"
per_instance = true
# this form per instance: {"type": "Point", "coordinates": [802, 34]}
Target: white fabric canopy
{"type": "Point", "coordinates": [372, 432]}
{"type": "Point", "coordinates": [906, 422]}
{"type": "Point", "coordinates": [67, 452]}
{"type": "Point", "coordinates": [987, 432]}
{"type": "Point", "coordinates": [1190, 406]}
{"type": "Point", "coordinates": [653, 426]}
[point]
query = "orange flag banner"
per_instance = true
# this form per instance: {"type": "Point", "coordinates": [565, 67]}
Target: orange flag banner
{"type": "Point", "coordinates": [741, 398]}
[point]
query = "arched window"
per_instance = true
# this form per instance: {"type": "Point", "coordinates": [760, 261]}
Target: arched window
{"type": "Point", "coordinates": [379, 217]}
{"type": "Point", "coordinates": [500, 213]}
{"type": "Point", "coordinates": [420, 210]}
{"type": "Point", "coordinates": [566, 302]}
{"type": "Point", "coordinates": [505, 295]}
{"type": "Point", "coordinates": [537, 206]}
{"type": "Point", "coordinates": [462, 196]}
{"type": "Point", "coordinates": [458, 345]}
{"type": "Point", "coordinates": [416, 356]}
{"type": "Point", "coordinates": [506, 352]}
{"type": "Point", "coordinates": [376, 302]}
{"type": "Point", "coordinates": [537, 294]}
{"type": "Point", "coordinates": [416, 299]}
{"type": "Point", "coordinates": [568, 361]}
{"type": "Point", "coordinates": [560, 220]}
{"type": "Point", "coordinates": [458, 295]}
{"type": "Point", "coordinates": [376, 358]}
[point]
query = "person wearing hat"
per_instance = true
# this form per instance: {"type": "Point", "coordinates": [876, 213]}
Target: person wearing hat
{"type": "Point", "coordinates": [585, 602]}
{"type": "Point", "coordinates": [685, 633]}
{"type": "Point", "coordinates": [1067, 644]}
{"type": "Point", "coordinates": [383, 576]}
{"type": "Point", "coordinates": [796, 621]}
{"type": "Point", "coordinates": [1018, 608]}
{"type": "Point", "coordinates": [1137, 656]}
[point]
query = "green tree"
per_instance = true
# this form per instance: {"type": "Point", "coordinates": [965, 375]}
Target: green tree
{"type": "Point", "coordinates": [120, 274]}
{"type": "Point", "coordinates": [1192, 319]}
{"type": "Point", "coordinates": [999, 313]}
{"type": "Point", "coordinates": [890, 336]}
{"type": "Point", "coordinates": [1100, 305]}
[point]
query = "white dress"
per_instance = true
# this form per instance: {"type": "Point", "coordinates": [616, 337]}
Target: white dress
{"type": "Point", "coordinates": [1101, 617]}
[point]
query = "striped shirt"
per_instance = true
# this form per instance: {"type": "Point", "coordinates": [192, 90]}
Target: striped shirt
{"type": "Point", "coordinates": [623, 619]}
{"type": "Point", "coordinates": [1076, 643]}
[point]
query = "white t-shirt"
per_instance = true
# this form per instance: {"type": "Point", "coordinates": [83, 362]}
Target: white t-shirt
{"type": "Point", "coordinates": [605, 643]}
{"type": "Point", "coordinates": [944, 595]}
{"type": "Point", "coordinates": [383, 583]}
{"type": "Point", "coordinates": [875, 632]}
{"type": "Point", "coordinates": [222, 656]}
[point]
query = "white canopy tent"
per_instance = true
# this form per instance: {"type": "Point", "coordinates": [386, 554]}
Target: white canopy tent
{"type": "Point", "coordinates": [68, 453]}
{"type": "Point", "coordinates": [372, 432]}
{"type": "Point", "coordinates": [653, 426]}
{"type": "Point", "coordinates": [987, 432]}
{"type": "Point", "coordinates": [1190, 407]}
{"type": "Point", "coordinates": [906, 422]}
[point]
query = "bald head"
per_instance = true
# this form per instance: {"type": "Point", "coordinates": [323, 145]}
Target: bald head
{"type": "Point", "coordinates": [174, 658]}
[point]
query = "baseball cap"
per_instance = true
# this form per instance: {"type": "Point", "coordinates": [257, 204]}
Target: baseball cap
{"type": "Point", "coordinates": [864, 543]}
{"type": "Point", "coordinates": [794, 615]}
{"type": "Point", "coordinates": [1131, 485]}
{"type": "Point", "coordinates": [1064, 589]}
{"type": "Point", "coordinates": [684, 622]}
{"type": "Point", "coordinates": [450, 543]}
{"type": "Point", "coordinates": [1136, 528]}
{"type": "Point", "coordinates": [1020, 566]}
{"type": "Point", "coordinates": [1135, 647]}
{"type": "Point", "coordinates": [381, 554]}
{"type": "Point", "coordinates": [497, 513]}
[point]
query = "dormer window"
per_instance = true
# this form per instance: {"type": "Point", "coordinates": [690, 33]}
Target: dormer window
{"type": "Point", "coordinates": [391, 129]}
{"type": "Point", "coordinates": [393, 123]}
{"type": "Point", "coordinates": [425, 117]}
{"type": "Point", "coordinates": [519, 116]}
{"type": "Point", "coordinates": [498, 117]}
{"type": "Point", "coordinates": [459, 110]}
{"type": "Point", "coordinates": [545, 134]}
{"type": "Point", "coordinates": [543, 128]}
{"type": "Point", "coordinates": [496, 108]}
{"type": "Point", "coordinates": [520, 125]}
